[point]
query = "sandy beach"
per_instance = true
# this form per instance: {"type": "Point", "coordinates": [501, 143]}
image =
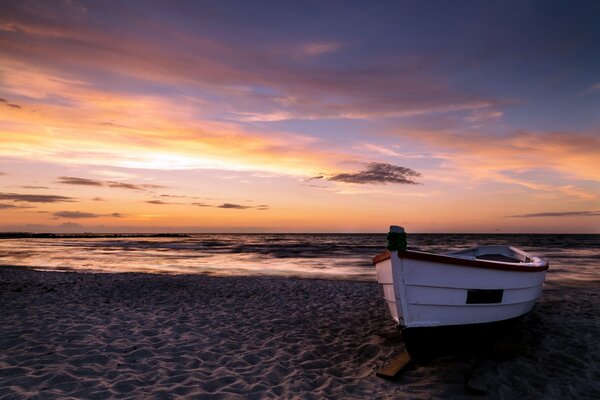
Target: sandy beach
{"type": "Point", "coordinates": [96, 336]}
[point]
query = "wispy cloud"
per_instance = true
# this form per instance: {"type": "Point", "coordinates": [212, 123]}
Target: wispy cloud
{"type": "Point", "coordinates": [495, 158]}
{"type": "Point", "coordinates": [70, 180]}
{"type": "Point", "coordinates": [5, 206]}
{"type": "Point", "coordinates": [233, 206]}
{"type": "Point", "coordinates": [34, 187]}
{"type": "Point", "coordinates": [79, 214]}
{"type": "Point", "coordinates": [11, 105]}
{"type": "Point", "coordinates": [35, 198]}
{"type": "Point", "coordinates": [75, 214]}
{"type": "Point", "coordinates": [319, 48]}
{"type": "Point", "coordinates": [160, 202]}
{"type": "Point", "coordinates": [132, 186]}
{"type": "Point", "coordinates": [483, 116]}
{"type": "Point", "coordinates": [377, 173]}
{"type": "Point", "coordinates": [150, 142]}
{"type": "Point", "coordinates": [590, 89]}
{"type": "Point", "coordinates": [385, 85]}
{"type": "Point", "coordinates": [559, 214]}
{"type": "Point", "coordinates": [261, 207]}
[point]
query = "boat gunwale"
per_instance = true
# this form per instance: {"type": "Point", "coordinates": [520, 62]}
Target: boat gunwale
{"type": "Point", "coordinates": [542, 265]}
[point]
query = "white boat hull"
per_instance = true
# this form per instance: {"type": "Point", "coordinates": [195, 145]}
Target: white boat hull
{"type": "Point", "coordinates": [430, 293]}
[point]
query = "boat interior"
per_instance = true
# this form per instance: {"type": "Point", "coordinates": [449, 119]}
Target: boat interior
{"type": "Point", "coordinates": [493, 253]}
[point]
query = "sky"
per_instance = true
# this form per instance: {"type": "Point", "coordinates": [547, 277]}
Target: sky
{"type": "Point", "coordinates": [326, 116]}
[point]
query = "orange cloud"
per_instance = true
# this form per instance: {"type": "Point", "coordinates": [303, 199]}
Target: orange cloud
{"type": "Point", "coordinates": [473, 158]}
{"type": "Point", "coordinates": [72, 122]}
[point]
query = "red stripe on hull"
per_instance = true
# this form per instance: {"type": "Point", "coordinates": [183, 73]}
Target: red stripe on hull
{"type": "Point", "coordinates": [441, 259]}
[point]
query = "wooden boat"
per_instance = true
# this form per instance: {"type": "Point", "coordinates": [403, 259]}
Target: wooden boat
{"type": "Point", "coordinates": [482, 286]}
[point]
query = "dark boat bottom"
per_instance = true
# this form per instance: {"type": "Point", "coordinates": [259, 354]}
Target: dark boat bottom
{"type": "Point", "coordinates": [426, 343]}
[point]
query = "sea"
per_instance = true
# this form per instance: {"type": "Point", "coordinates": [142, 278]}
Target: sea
{"type": "Point", "coordinates": [320, 256]}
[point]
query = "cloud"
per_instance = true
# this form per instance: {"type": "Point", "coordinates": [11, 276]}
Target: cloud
{"type": "Point", "coordinates": [499, 158]}
{"type": "Point", "coordinates": [70, 180]}
{"type": "Point", "coordinates": [234, 206]}
{"type": "Point", "coordinates": [2, 173]}
{"type": "Point", "coordinates": [559, 214]}
{"type": "Point", "coordinates": [35, 198]}
{"type": "Point", "coordinates": [319, 48]}
{"type": "Point", "coordinates": [4, 206]}
{"type": "Point", "coordinates": [75, 214]}
{"type": "Point", "coordinates": [261, 80]}
{"type": "Point", "coordinates": [378, 173]}
{"type": "Point", "coordinates": [483, 116]}
{"type": "Point", "coordinates": [78, 214]}
{"type": "Point", "coordinates": [69, 225]}
{"type": "Point", "coordinates": [150, 143]}
{"type": "Point", "coordinates": [159, 202]}
{"type": "Point", "coordinates": [11, 105]}
{"type": "Point", "coordinates": [174, 196]}
{"type": "Point", "coordinates": [132, 186]}
{"type": "Point", "coordinates": [592, 88]}
{"type": "Point", "coordinates": [98, 198]}
{"type": "Point", "coordinates": [35, 187]}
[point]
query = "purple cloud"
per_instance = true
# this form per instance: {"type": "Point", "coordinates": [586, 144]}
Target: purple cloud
{"type": "Point", "coordinates": [378, 173]}
{"type": "Point", "coordinates": [4, 206]}
{"type": "Point", "coordinates": [35, 198]}
{"type": "Point", "coordinates": [75, 214]}
{"type": "Point", "coordinates": [71, 180]}
{"type": "Point", "coordinates": [559, 214]}
{"type": "Point", "coordinates": [79, 214]}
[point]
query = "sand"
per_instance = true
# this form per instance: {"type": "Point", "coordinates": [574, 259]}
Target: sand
{"type": "Point", "coordinates": [98, 336]}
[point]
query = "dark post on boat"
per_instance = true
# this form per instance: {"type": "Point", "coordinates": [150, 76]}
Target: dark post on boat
{"type": "Point", "coordinates": [396, 238]}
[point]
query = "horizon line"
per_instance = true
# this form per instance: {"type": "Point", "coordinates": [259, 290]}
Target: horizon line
{"type": "Point", "coordinates": [289, 233]}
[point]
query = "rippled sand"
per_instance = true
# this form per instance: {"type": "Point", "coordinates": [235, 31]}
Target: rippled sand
{"type": "Point", "coordinates": [99, 336]}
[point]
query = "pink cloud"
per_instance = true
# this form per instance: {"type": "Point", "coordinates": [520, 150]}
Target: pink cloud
{"type": "Point", "coordinates": [319, 48]}
{"type": "Point", "coordinates": [81, 49]}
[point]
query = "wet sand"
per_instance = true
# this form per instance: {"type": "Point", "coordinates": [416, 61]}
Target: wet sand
{"type": "Point", "coordinates": [98, 336]}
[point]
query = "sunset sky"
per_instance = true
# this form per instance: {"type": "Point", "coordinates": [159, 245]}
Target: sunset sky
{"type": "Point", "coordinates": [327, 116]}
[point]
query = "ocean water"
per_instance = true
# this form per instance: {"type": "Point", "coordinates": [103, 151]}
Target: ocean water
{"type": "Point", "coordinates": [330, 256]}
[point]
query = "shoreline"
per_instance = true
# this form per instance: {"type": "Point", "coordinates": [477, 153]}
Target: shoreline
{"type": "Point", "coordinates": [300, 277]}
{"type": "Point", "coordinates": [139, 335]}
{"type": "Point", "coordinates": [551, 283]}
